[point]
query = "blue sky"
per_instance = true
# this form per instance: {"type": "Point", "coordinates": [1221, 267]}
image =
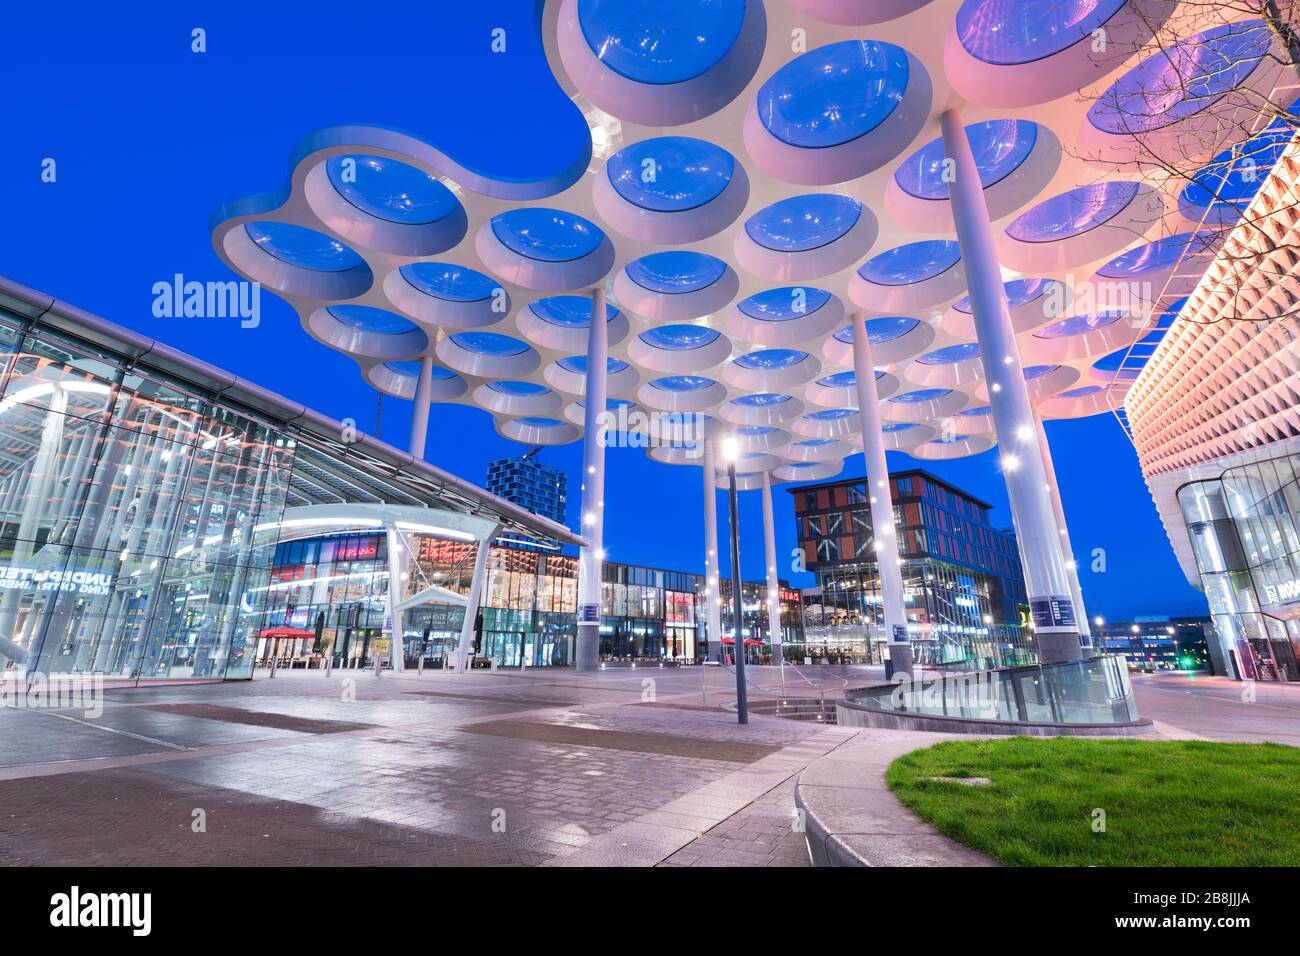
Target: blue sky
{"type": "Point", "coordinates": [149, 138]}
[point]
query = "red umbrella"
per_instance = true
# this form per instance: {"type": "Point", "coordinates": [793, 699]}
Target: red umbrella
{"type": "Point", "coordinates": [278, 633]}
{"type": "Point", "coordinates": [749, 641]}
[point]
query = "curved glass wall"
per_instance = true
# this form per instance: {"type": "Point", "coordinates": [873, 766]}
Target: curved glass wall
{"type": "Point", "coordinates": [1244, 529]}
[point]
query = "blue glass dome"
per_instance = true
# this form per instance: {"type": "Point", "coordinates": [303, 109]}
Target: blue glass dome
{"type": "Point", "coordinates": [921, 395]}
{"type": "Point", "coordinates": [756, 431]}
{"type": "Point", "coordinates": [816, 442]}
{"type": "Point", "coordinates": [519, 388]}
{"type": "Point", "coordinates": [682, 383]}
{"type": "Point", "coordinates": [1009, 32]}
{"type": "Point", "coordinates": [540, 422]}
{"type": "Point", "coordinates": [1038, 371]}
{"type": "Point", "coordinates": [897, 426]}
{"type": "Point", "coordinates": [302, 247]}
{"type": "Point", "coordinates": [831, 414]}
{"type": "Point", "coordinates": [578, 364]}
{"type": "Point", "coordinates": [1018, 292]}
{"type": "Point", "coordinates": [670, 41]}
{"type": "Point", "coordinates": [781, 305]}
{"type": "Point", "coordinates": [489, 343]}
{"type": "Point", "coordinates": [547, 235]}
{"type": "Point", "coordinates": [412, 369]}
{"type": "Point", "coordinates": [1182, 80]}
{"type": "Point", "coordinates": [980, 410]}
{"type": "Point", "coordinates": [843, 379]}
{"type": "Point", "coordinates": [568, 311]}
{"type": "Point", "coordinates": [769, 359]}
{"type": "Point", "coordinates": [1154, 255]}
{"type": "Point", "coordinates": [803, 223]}
{"type": "Point", "coordinates": [453, 283]}
{"type": "Point", "coordinates": [1073, 213]}
{"type": "Point", "coordinates": [998, 146]}
{"type": "Point", "coordinates": [364, 318]}
{"type": "Point", "coordinates": [679, 338]}
{"type": "Point", "coordinates": [1078, 325]}
{"type": "Point", "coordinates": [390, 190]}
{"type": "Point", "coordinates": [834, 94]}
{"type": "Point", "coordinates": [914, 262]}
{"type": "Point", "coordinates": [676, 271]}
{"type": "Point", "coordinates": [880, 330]}
{"type": "Point", "coordinates": [1082, 391]}
{"type": "Point", "coordinates": [670, 173]}
{"type": "Point", "coordinates": [951, 354]}
{"type": "Point", "coordinates": [761, 399]}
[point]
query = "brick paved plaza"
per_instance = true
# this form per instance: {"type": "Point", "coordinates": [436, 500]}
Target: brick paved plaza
{"type": "Point", "coordinates": [491, 769]}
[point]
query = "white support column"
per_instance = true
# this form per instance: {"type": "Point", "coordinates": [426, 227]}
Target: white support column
{"type": "Point", "coordinates": [1067, 550]}
{"type": "Point", "coordinates": [395, 592]}
{"type": "Point", "coordinates": [591, 561]}
{"type": "Point", "coordinates": [881, 500]}
{"type": "Point", "coordinates": [420, 408]}
{"type": "Point", "coordinates": [1051, 607]}
{"type": "Point", "coordinates": [472, 600]}
{"type": "Point", "coordinates": [773, 585]}
{"type": "Point", "coordinates": [712, 586]}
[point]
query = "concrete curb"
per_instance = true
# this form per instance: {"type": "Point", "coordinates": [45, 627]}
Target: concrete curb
{"type": "Point", "coordinates": [852, 819]}
{"type": "Point", "coordinates": [855, 715]}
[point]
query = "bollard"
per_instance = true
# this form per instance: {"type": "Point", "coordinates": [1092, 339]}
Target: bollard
{"type": "Point", "coordinates": [275, 662]}
{"type": "Point", "coordinates": [419, 668]}
{"type": "Point", "coordinates": [329, 665]}
{"type": "Point", "coordinates": [376, 665]}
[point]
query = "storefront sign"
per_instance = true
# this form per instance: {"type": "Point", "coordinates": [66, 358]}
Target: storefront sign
{"type": "Point", "coordinates": [40, 579]}
{"type": "Point", "coordinates": [899, 635]}
{"type": "Point", "coordinates": [588, 613]}
{"type": "Point", "coordinates": [1283, 593]}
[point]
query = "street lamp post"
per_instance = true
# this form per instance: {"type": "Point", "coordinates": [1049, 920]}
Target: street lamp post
{"type": "Point", "coordinates": [729, 452]}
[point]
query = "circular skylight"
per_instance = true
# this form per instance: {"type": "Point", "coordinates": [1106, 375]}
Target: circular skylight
{"type": "Point", "coordinates": [489, 343]}
{"type": "Point", "coordinates": [670, 173]}
{"type": "Point", "coordinates": [999, 148]}
{"type": "Point", "coordinates": [880, 330]}
{"type": "Point", "coordinates": [834, 94]}
{"type": "Point", "coordinates": [761, 399]}
{"type": "Point", "coordinates": [951, 354]}
{"type": "Point", "coordinates": [921, 395]}
{"type": "Point", "coordinates": [676, 271]}
{"type": "Point", "coordinates": [897, 426]}
{"type": "Point", "coordinates": [364, 318]}
{"type": "Point", "coordinates": [842, 379]}
{"type": "Point", "coordinates": [1082, 391]}
{"type": "Point", "coordinates": [1181, 80]}
{"type": "Point", "coordinates": [781, 305]}
{"type": "Point", "coordinates": [1038, 371]}
{"type": "Point", "coordinates": [682, 383]}
{"type": "Point", "coordinates": [1078, 325]}
{"type": "Point", "coordinates": [519, 388]}
{"type": "Point", "coordinates": [540, 422]}
{"type": "Point", "coordinates": [981, 410]}
{"type": "Point", "coordinates": [1018, 292]}
{"type": "Point", "coordinates": [569, 311]}
{"type": "Point", "coordinates": [755, 431]}
{"type": "Point", "coordinates": [679, 338]}
{"type": "Point", "coordinates": [1009, 32]}
{"type": "Point", "coordinates": [831, 414]}
{"type": "Point", "coordinates": [390, 190]}
{"type": "Point", "coordinates": [670, 41]}
{"type": "Point", "coordinates": [547, 235]}
{"type": "Point", "coordinates": [1154, 255]}
{"type": "Point", "coordinates": [914, 262]}
{"type": "Point", "coordinates": [302, 247]}
{"type": "Point", "coordinates": [412, 369]}
{"type": "Point", "coordinates": [816, 442]}
{"type": "Point", "coordinates": [578, 364]}
{"type": "Point", "coordinates": [1073, 213]}
{"type": "Point", "coordinates": [803, 223]}
{"type": "Point", "coordinates": [768, 359]}
{"type": "Point", "coordinates": [453, 283]}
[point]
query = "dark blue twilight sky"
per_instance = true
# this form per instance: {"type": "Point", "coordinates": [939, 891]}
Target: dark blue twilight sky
{"type": "Point", "coordinates": [149, 138]}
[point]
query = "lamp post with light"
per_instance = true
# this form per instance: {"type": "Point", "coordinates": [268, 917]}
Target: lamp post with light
{"type": "Point", "coordinates": [729, 453]}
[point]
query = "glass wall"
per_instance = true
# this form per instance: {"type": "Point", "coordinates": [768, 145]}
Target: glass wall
{"type": "Point", "coordinates": [1243, 531]}
{"type": "Point", "coordinates": [127, 513]}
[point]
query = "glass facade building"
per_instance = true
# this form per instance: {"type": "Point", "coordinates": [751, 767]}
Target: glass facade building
{"type": "Point", "coordinates": [539, 487]}
{"type": "Point", "coordinates": [144, 496]}
{"type": "Point", "coordinates": [334, 587]}
{"type": "Point", "coordinates": [1244, 527]}
{"type": "Point", "coordinates": [963, 587]}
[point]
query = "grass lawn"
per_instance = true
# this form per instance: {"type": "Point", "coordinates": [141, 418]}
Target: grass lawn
{"type": "Point", "coordinates": [1166, 803]}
